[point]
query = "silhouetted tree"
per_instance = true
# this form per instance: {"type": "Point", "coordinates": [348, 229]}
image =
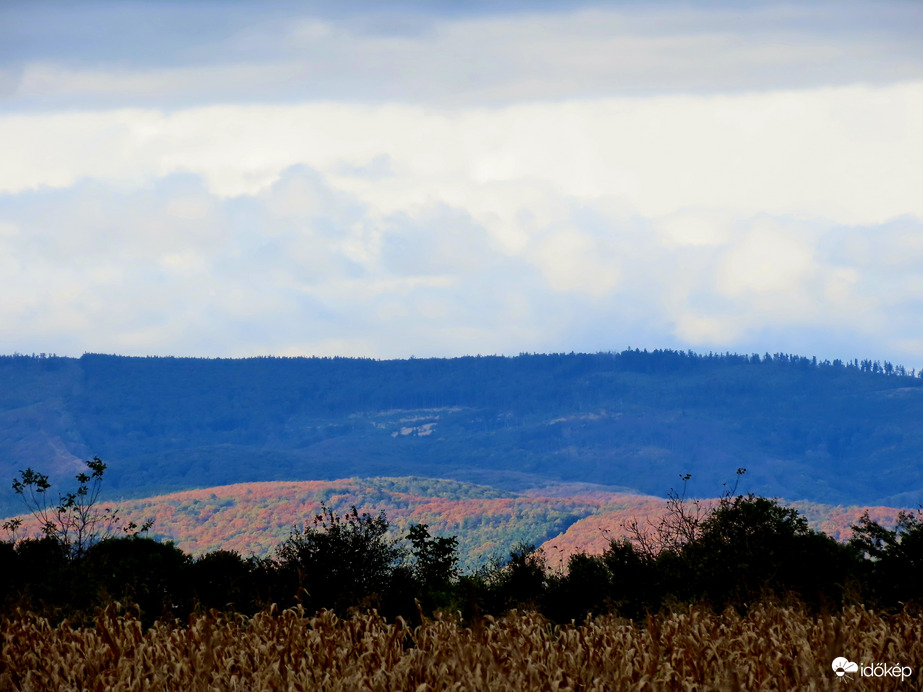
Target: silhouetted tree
{"type": "Point", "coordinates": [223, 580]}
{"type": "Point", "coordinates": [75, 520]}
{"type": "Point", "coordinates": [892, 558]}
{"type": "Point", "coordinates": [151, 574]}
{"type": "Point", "coordinates": [679, 525]}
{"type": "Point", "coordinates": [340, 561]}
{"type": "Point", "coordinates": [585, 588]}
{"type": "Point", "coordinates": [752, 545]}
{"type": "Point", "coordinates": [435, 565]}
{"type": "Point", "coordinates": [517, 582]}
{"type": "Point", "coordinates": [39, 573]}
{"type": "Point", "coordinates": [634, 578]}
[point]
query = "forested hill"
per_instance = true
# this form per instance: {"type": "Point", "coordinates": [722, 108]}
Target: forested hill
{"type": "Point", "coordinates": [827, 432]}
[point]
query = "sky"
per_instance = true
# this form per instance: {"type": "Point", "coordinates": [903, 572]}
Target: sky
{"type": "Point", "coordinates": [396, 179]}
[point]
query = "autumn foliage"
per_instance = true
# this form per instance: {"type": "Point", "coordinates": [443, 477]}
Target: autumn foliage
{"type": "Point", "coordinates": [254, 518]}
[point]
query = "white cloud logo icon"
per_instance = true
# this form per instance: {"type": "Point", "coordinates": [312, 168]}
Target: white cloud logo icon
{"type": "Point", "coordinates": [841, 666]}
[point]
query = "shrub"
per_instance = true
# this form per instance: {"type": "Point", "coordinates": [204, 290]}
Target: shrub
{"type": "Point", "coordinates": [339, 561]}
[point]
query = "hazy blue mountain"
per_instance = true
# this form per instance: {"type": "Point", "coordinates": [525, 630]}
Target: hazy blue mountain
{"type": "Point", "coordinates": [826, 432]}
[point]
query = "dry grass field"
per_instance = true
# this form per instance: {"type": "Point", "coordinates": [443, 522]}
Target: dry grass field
{"type": "Point", "coordinates": [772, 648]}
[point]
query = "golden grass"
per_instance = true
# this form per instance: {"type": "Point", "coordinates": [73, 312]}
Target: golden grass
{"type": "Point", "coordinates": [772, 648]}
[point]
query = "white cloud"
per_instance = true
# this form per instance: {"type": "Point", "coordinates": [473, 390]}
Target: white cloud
{"type": "Point", "coordinates": [571, 260]}
{"type": "Point", "coordinates": [95, 268]}
{"type": "Point", "coordinates": [709, 330]}
{"type": "Point", "coordinates": [848, 154]}
{"type": "Point", "coordinates": [767, 260]}
{"type": "Point", "coordinates": [695, 227]}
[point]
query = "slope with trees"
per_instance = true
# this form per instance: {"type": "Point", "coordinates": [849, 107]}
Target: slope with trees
{"type": "Point", "coordinates": [736, 553]}
{"type": "Point", "coordinates": [812, 430]}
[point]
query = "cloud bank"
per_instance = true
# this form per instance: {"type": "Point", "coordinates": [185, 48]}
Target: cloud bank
{"type": "Point", "coordinates": [542, 178]}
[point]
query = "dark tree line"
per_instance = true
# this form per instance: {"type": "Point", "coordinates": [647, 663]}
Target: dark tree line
{"type": "Point", "coordinates": [746, 549]}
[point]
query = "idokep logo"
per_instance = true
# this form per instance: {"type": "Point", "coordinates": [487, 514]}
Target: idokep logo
{"type": "Point", "coordinates": [842, 666]}
{"type": "Point", "coordinates": [847, 670]}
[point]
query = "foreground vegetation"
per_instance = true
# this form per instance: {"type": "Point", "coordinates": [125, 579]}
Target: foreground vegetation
{"type": "Point", "coordinates": [733, 554]}
{"type": "Point", "coordinates": [741, 595]}
{"type": "Point", "coordinates": [770, 648]}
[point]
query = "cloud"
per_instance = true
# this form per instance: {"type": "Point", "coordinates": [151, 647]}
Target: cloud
{"type": "Point", "coordinates": [809, 286]}
{"type": "Point", "coordinates": [695, 227]}
{"type": "Point", "coordinates": [476, 53]}
{"type": "Point", "coordinates": [174, 268]}
{"type": "Point", "coordinates": [893, 246]}
{"type": "Point", "coordinates": [461, 178]}
{"type": "Point", "coordinates": [848, 154]}
{"type": "Point", "coordinates": [573, 261]}
{"type": "Point", "coordinates": [306, 267]}
{"type": "Point", "coordinates": [767, 260]}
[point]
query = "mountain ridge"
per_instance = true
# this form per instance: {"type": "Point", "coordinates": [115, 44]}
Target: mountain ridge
{"type": "Point", "coordinates": [833, 432]}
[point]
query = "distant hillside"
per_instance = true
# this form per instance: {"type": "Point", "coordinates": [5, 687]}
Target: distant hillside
{"type": "Point", "coordinates": [824, 432]}
{"type": "Point", "coordinates": [254, 518]}
{"type": "Point", "coordinates": [592, 534]}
